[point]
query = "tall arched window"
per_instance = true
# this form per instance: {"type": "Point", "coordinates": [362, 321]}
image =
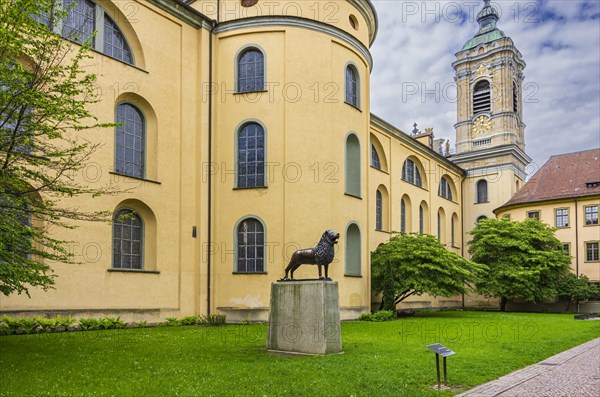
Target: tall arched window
{"type": "Point", "coordinates": [375, 162]}
{"type": "Point", "coordinates": [250, 246]}
{"type": "Point", "coordinates": [444, 190]}
{"type": "Point", "coordinates": [378, 211]}
{"type": "Point", "coordinates": [482, 191]}
{"type": "Point", "coordinates": [482, 97]}
{"type": "Point", "coordinates": [353, 166]}
{"type": "Point", "coordinates": [402, 216]}
{"type": "Point", "coordinates": [115, 44]}
{"type": "Point", "coordinates": [128, 240]}
{"type": "Point", "coordinates": [353, 250]}
{"type": "Point", "coordinates": [452, 231]}
{"type": "Point", "coordinates": [481, 218]}
{"type": "Point", "coordinates": [439, 226]}
{"type": "Point", "coordinates": [130, 145]}
{"type": "Point", "coordinates": [251, 71]}
{"type": "Point", "coordinates": [515, 98]}
{"type": "Point", "coordinates": [251, 156]}
{"type": "Point", "coordinates": [352, 86]}
{"type": "Point", "coordinates": [411, 174]}
{"type": "Point", "coordinates": [421, 219]}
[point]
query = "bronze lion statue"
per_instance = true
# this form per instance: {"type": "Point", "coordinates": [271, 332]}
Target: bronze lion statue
{"type": "Point", "coordinates": [321, 255]}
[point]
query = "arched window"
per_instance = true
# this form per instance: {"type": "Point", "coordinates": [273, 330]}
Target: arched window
{"type": "Point", "coordinates": [115, 44]}
{"type": "Point", "coordinates": [353, 250]}
{"type": "Point", "coordinates": [128, 240]}
{"type": "Point", "coordinates": [439, 226]}
{"type": "Point", "coordinates": [352, 86]}
{"type": "Point", "coordinates": [421, 219]}
{"type": "Point", "coordinates": [452, 231]}
{"type": "Point", "coordinates": [375, 158]}
{"type": "Point", "coordinates": [402, 216]}
{"type": "Point", "coordinates": [130, 145]}
{"type": "Point", "coordinates": [515, 98]}
{"type": "Point", "coordinates": [251, 156]}
{"type": "Point", "coordinates": [251, 71]}
{"type": "Point", "coordinates": [378, 211]}
{"type": "Point", "coordinates": [482, 191]}
{"type": "Point", "coordinates": [410, 173]}
{"type": "Point", "coordinates": [80, 23]}
{"type": "Point", "coordinates": [482, 97]}
{"type": "Point", "coordinates": [481, 218]}
{"type": "Point", "coordinates": [444, 190]}
{"type": "Point", "coordinates": [250, 246]}
{"type": "Point", "coordinates": [353, 166]}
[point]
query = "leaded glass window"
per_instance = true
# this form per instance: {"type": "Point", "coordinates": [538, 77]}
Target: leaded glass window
{"type": "Point", "coordinates": [591, 215]}
{"type": "Point", "coordinates": [128, 240]}
{"type": "Point", "coordinates": [591, 250]}
{"type": "Point", "coordinates": [250, 247]}
{"type": "Point", "coordinates": [444, 189]}
{"type": "Point", "coordinates": [421, 219]}
{"type": "Point", "coordinates": [411, 174]}
{"type": "Point", "coordinates": [378, 211]}
{"type": "Point", "coordinates": [130, 141]}
{"type": "Point", "coordinates": [562, 217]}
{"type": "Point", "coordinates": [80, 23]}
{"type": "Point", "coordinates": [482, 191]}
{"type": "Point", "coordinates": [251, 71]}
{"type": "Point", "coordinates": [251, 156]}
{"type": "Point", "coordinates": [115, 44]}
{"type": "Point", "coordinates": [402, 216]}
{"type": "Point", "coordinates": [375, 158]}
{"type": "Point", "coordinates": [352, 86]}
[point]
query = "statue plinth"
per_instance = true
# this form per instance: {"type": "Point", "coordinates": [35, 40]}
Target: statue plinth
{"type": "Point", "coordinates": [304, 318]}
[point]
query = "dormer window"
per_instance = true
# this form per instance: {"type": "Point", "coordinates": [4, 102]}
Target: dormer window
{"type": "Point", "coordinates": [591, 185]}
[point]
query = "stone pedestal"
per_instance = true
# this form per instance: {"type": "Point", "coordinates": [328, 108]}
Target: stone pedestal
{"type": "Point", "coordinates": [304, 318]}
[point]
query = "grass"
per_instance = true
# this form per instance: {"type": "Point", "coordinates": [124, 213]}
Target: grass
{"type": "Point", "coordinates": [379, 358]}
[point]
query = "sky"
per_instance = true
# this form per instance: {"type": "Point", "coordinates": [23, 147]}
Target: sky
{"type": "Point", "coordinates": [413, 80]}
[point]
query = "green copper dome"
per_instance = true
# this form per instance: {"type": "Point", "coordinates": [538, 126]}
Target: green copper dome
{"type": "Point", "coordinates": [488, 31]}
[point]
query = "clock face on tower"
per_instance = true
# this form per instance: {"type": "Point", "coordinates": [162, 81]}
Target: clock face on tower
{"type": "Point", "coordinates": [482, 125]}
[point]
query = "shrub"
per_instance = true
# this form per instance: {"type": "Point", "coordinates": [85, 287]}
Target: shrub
{"type": "Point", "coordinates": [65, 322]}
{"type": "Point", "coordinates": [189, 320]}
{"type": "Point", "coordinates": [214, 320]}
{"type": "Point", "coordinates": [88, 324]}
{"type": "Point", "coordinates": [47, 324]}
{"type": "Point", "coordinates": [171, 322]}
{"type": "Point", "coordinates": [384, 315]}
{"type": "Point", "coordinates": [28, 325]}
{"type": "Point", "coordinates": [365, 317]}
{"type": "Point", "coordinates": [11, 325]}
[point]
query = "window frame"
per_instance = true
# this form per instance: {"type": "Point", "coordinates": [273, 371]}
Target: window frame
{"type": "Point", "coordinates": [421, 219]}
{"type": "Point", "coordinates": [379, 211]}
{"type": "Point", "coordinates": [488, 109]}
{"type": "Point", "coordinates": [568, 223]}
{"type": "Point", "coordinates": [144, 141]}
{"type": "Point", "coordinates": [568, 246]}
{"type": "Point", "coordinates": [375, 159]}
{"type": "Point", "coordinates": [585, 215]}
{"type": "Point", "coordinates": [538, 212]}
{"type": "Point", "coordinates": [236, 270]}
{"type": "Point", "coordinates": [448, 188]}
{"type": "Point", "coordinates": [587, 252]}
{"type": "Point", "coordinates": [357, 81]}
{"type": "Point", "coordinates": [402, 215]}
{"type": "Point", "coordinates": [238, 56]}
{"type": "Point", "coordinates": [238, 131]}
{"type": "Point", "coordinates": [348, 273]}
{"type": "Point", "coordinates": [478, 200]}
{"type": "Point", "coordinates": [142, 241]}
{"type": "Point", "coordinates": [415, 175]}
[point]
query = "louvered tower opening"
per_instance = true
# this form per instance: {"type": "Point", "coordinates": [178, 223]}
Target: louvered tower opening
{"type": "Point", "coordinates": [515, 98]}
{"type": "Point", "coordinates": [482, 97]}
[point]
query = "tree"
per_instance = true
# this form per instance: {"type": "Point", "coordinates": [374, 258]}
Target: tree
{"type": "Point", "coordinates": [525, 259]}
{"type": "Point", "coordinates": [572, 289]}
{"type": "Point", "coordinates": [414, 264]}
{"type": "Point", "coordinates": [44, 101]}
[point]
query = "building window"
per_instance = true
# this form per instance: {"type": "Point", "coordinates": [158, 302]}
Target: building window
{"type": "Point", "coordinates": [482, 96]}
{"type": "Point", "coordinates": [128, 240]}
{"type": "Point", "coordinates": [130, 144]}
{"type": "Point", "coordinates": [452, 231]}
{"type": "Point", "coordinates": [375, 163]}
{"type": "Point", "coordinates": [353, 251]}
{"type": "Point", "coordinates": [251, 71]}
{"type": "Point", "coordinates": [562, 217]}
{"type": "Point", "coordinates": [481, 218]}
{"type": "Point", "coordinates": [411, 174]}
{"type": "Point", "coordinates": [439, 226]}
{"type": "Point", "coordinates": [421, 219]}
{"type": "Point", "coordinates": [591, 252]}
{"type": "Point", "coordinates": [352, 86]}
{"type": "Point", "coordinates": [482, 191]}
{"type": "Point", "coordinates": [567, 247]}
{"type": "Point", "coordinates": [250, 246]}
{"type": "Point", "coordinates": [533, 215]}
{"type": "Point", "coordinates": [353, 166]}
{"type": "Point", "coordinates": [591, 215]}
{"type": "Point", "coordinates": [378, 211]}
{"type": "Point", "coordinates": [80, 24]}
{"type": "Point", "coordinates": [115, 44]}
{"type": "Point", "coordinates": [402, 216]}
{"type": "Point", "coordinates": [251, 156]}
{"type": "Point", "coordinates": [515, 98]}
{"type": "Point", "coordinates": [444, 190]}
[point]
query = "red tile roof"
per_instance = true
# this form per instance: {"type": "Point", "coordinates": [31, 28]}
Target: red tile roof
{"type": "Point", "coordinates": [563, 176]}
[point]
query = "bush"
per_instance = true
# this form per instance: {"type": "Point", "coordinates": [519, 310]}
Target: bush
{"type": "Point", "coordinates": [89, 324]}
{"type": "Point", "coordinates": [171, 322]}
{"type": "Point", "coordinates": [189, 320]}
{"type": "Point", "coordinates": [365, 317]}
{"type": "Point", "coordinates": [214, 320]}
{"type": "Point", "coordinates": [384, 315]}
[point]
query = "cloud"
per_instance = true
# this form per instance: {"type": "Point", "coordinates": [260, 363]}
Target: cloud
{"type": "Point", "coordinates": [413, 80]}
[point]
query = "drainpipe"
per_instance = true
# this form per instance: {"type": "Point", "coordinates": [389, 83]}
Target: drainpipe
{"type": "Point", "coordinates": [577, 246]}
{"type": "Point", "coordinates": [210, 165]}
{"type": "Point", "coordinates": [462, 224]}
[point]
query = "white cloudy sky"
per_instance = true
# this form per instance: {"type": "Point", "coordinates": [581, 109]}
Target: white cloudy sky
{"type": "Point", "coordinates": [559, 40]}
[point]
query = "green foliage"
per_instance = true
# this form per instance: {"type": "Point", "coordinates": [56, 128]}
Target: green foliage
{"type": "Point", "coordinates": [215, 320]}
{"type": "Point", "coordinates": [47, 324]}
{"type": "Point", "coordinates": [572, 289]}
{"type": "Point", "coordinates": [44, 117]}
{"type": "Point", "coordinates": [189, 320]}
{"type": "Point", "coordinates": [414, 264]}
{"type": "Point", "coordinates": [111, 323]}
{"type": "Point", "coordinates": [365, 317]}
{"type": "Point", "coordinates": [65, 322]}
{"type": "Point", "coordinates": [89, 324]}
{"type": "Point", "coordinates": [171, 322]}
{"type": "Point", "coordinates": [525, 260]}
{"type": "Point", "coordinates": [141, 324]}
{"type": "Point", "coordinates": [382, 315]}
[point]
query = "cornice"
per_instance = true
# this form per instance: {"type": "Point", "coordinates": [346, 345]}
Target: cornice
{"type": "Point", "coordinates": [518, 57]}
{"type": "Point", "coordinates": [367, 9]}
{"type": "Point", "coordinates": [185, 13]}
{"type": "Point", "coordinates": [268, 21]}
{"type": "Point", "coordinates": [507, 207]}
{"type": "Point", "coordinates": [493, 152]}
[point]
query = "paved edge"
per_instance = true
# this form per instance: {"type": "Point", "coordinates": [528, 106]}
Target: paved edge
{"type": "Point", "coordinates": [507, 382]}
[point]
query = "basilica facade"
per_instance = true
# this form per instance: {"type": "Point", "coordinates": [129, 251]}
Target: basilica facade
{"type": "Point", "coordinates": [244, 133]}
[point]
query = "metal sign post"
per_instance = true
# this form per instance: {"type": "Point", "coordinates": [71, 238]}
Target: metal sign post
{"type": "Point", "coordinates": [443, 351]}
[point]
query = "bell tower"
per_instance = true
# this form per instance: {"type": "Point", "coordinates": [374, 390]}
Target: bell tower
{"type": "Point", "coordinates": [490, 133]}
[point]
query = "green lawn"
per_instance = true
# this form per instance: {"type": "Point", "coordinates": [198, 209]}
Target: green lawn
{"type": "Point", "coordinates": [380, 358]}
